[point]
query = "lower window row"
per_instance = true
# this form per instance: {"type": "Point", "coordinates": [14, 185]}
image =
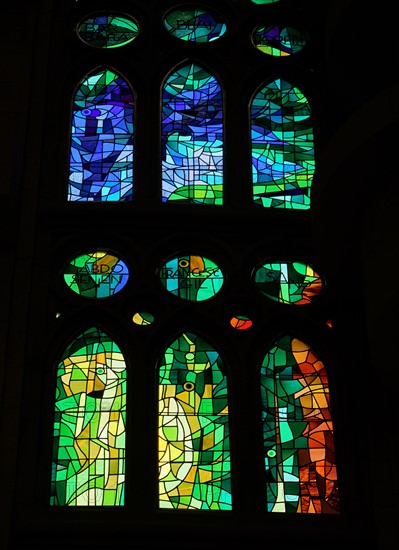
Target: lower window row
{"type": "Point", "coordinates": [194, 429]}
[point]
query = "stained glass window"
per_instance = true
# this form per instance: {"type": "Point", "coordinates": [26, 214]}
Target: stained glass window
{"type": "Point", "coordinates": [89, 426]}
{"type": "Point", "coordinates": [192, 137]}
{"type": "Point", "coordinates": [193, 384]}
{"type": "Point", "coordinates": [300, 466]}
{"type": "Point", "coordinates": [101, 153]}
{"type": "Point", "coordinates": [283, 161]}
{"type": "Point", "coordinates": [194, 444]}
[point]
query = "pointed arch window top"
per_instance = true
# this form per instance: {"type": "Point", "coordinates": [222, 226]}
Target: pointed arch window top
{"type": "Point", "coordinates": [101, 150]}
{"type": "Point", "coordinates": [300, 464]}
{"type": "Point", "coordinates": [192, 137]}
{"type": "Point", "coordinates": [283, 162]}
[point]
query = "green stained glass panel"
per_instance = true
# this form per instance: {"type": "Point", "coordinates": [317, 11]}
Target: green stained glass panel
{"type": "Point", "coordinates": [193, 443]}
{"type": "Point", "coordinates": [299, 453]}
{"type": "Point", "coordinates": [283, 161]}
{"type": "Point", "coordinates": [191, 277]}
{"type": "Point", "coordinates": [89, 424]}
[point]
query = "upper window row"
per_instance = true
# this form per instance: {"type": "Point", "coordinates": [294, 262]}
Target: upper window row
{"type": "Point", "coordinates": [114, 30]}
{"type": "Point", "coordinates": [192, 140]}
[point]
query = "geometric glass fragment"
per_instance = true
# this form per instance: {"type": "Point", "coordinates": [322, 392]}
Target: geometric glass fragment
{"type": "Point", "coordinates": [89, 424]}
{"type": "Point", "coordinates": [299, 455]}
{"type": "Point", "coordinates": [101, 153]}
{"type": "Point", "coordinates": [194, 25]}
{"type": "Point", "coordinates": [192, 137]}
{"type": "Point", "coordinates": [193, 443]}
{"type": "Point", "coordinates": [143, 318]}
{"type": "Point", "coordinates": [241, 322]}
{"type": "Point", "coordinates": [107, 30]}
{"type": "Point", "coordinates": [278, 41]}
{"type": "Point", "coordinates": [191, 277]}
{"type": "Point", "coordinates": [283, 161]}
{"type": "Point", "coordinates": [288, 282]}
{"type": "Point", "coordinates": [96, 274]}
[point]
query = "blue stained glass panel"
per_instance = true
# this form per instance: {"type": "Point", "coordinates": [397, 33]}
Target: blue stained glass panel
{"type": "Point", "coordinates": [101, 153]}
{"type": "Point", "coordinates": [192, 137]}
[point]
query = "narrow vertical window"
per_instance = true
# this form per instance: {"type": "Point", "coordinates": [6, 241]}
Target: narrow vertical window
{"type": "Point", "coordinates": [192, 137]}
{"type": "Point", "coordinates": [282, 147]}
{"type": "Point", "coordinates": [101, 152]}
{"type": "Point", "coordinates": [300, 464]}
{"type": "Point", "coordinates": [194, 449]}
{"type": "Point", "coordinates": [89, 425]}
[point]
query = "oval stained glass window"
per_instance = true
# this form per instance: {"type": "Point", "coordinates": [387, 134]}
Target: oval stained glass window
{"type": "Point", "coordinates": [107, 30]}
{"type": "Point", "coordinates": [191, 277]}
{"type": "Point", "coordinates": [194, 25]}
{"type": "Point", "coordinates": [278, 41]}
{"type": "Point", "coordinates": [288, 282]}
{"type": "Point", "coordinates": [97, 274]}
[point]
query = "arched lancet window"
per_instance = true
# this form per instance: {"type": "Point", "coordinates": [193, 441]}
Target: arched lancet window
{"type": "Point", "coordinates": [301, 475]}
{"type": "Point", "coordinates": [89, 425]}
{"type": "Point", "coordinates": [194, 443]}
{"type": "Point", "coordinates": [283, 161]}
{"type": "Point", "coordinates": [101, 151]}
{"type": "Point", "coordinates": [192, 137]}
